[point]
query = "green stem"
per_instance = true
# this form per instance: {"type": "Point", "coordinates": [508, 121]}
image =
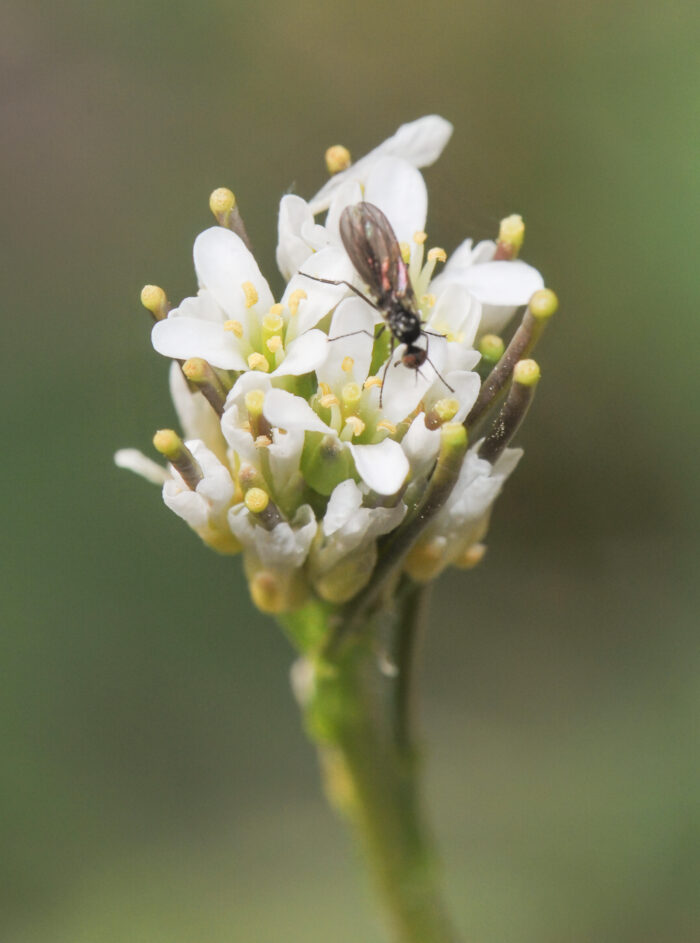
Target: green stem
{"type": "Point", "coordinates": [356, 710]}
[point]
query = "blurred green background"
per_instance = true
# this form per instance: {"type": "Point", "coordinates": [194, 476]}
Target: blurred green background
{"type": "Point", "coordinates": [155, 785]}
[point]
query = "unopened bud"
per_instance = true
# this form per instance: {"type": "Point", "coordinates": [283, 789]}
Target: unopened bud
{"type": "Point", "coordinates": [153, 298]}
{"type": "Point", "coordinates": [543, 303]}
{"type": "Point", "coordinates": [337, 159]}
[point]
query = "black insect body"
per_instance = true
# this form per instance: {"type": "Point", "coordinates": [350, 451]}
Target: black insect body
{"type": "Point", "coordinates": [375, 253]}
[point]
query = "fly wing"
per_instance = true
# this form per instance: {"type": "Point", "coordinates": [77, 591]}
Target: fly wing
{"type": "Point", "coordinates": [374, 250]}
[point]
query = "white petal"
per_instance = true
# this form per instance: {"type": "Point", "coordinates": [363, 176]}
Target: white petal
{"type": "Point", "coordinates": [502, 283]}
{"type": "Point", "coordinates": [223, 264]}
{"type": "Point", "coordinates": [383, 466]}
{"type": "Point", "coordinates": [182, 338]}
{"type": "Point", "coordinates": [466, 386]}
{"type": "Point", "coordinates": [188, 505]}
{"type": "Point", "coordinates": [344, 502]}
{"type": "Point", "coordinates": [405, 387]}
{"type": "Point", "coordinates": [419, 142]}
{"type": "Point", "coordinates": [398, 189]}
{"type": "Point", "coordinates": [287, 411]}
{"type": "Point", "coordinates": [202, 306]}
{"type": "Point", "coordinates": [351, 316]}
{"type": "Point", "coordinates": [420, 444]}
{"type": "Point", "coordinates": [331, 263]}
{"type": "Point", "coordinates": [292, 250]}
{"type": "Point", "coordinates": [456, 313]}
{"type": "Point", "coordinates": [137, 462]}
{"type": "Point", "coordinates": [303, 355]}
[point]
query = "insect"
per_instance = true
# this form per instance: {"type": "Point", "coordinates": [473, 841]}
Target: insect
{"type": "Point", "coordinates": [374, 250]}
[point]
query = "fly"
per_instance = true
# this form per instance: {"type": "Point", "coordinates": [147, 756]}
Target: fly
{"type": "Point", "coordinates": [374, 250]}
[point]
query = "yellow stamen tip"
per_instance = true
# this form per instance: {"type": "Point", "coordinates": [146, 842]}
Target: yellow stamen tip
{"type": "Point", "coordinates": [256, 500]}
{"type": "Point", "coordinates": [154, 300]}
{"type": "Point", "coordinates": [263, 441]}
{"type": "Point", "coordinates": [420, 237]}
{"type": "Point", "coordinates": [436, 254]}
{"type": "Point", "coordinates": [221, 202]}
{"type": "Point", "coordinates": [254, 400]}
{"type": "Point", "coordinates": [235, 327]}
{"type": "Point", "coordinates": [251, 294]}
{"type": "Point", "coordinates": [274, 344]}
{"type": "Point", "coordinates": [356, 424]}
{"type": "Point", "coordinates": [372, 381]}
{"type": "Point", "coordinates": [526, 372]}
{"type": "Point", "coordinates": [324, 388]}
{"type": "Point", "coordinates": [512, 232]}
{"type": "Point", "coordinates": [328, 400]}
{"type": "Point", "coordinates": [337, 159]}
{"type": "Point", "coordinates": [389, 426]}
{"type": "Point", "coordinates": [258, 362]}
{"type": "Point", "coordinates": [347, 364]}
{"type": "Point", "coordinates": [428, 301]}
{"type": "Point", "coordinates": [294, 300]}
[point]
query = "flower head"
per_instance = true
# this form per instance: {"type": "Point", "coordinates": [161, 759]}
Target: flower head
{"type": "Point", "coordinates": [318, 426]}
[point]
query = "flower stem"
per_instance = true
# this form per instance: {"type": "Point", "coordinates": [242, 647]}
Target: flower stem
{"type": "Point", "coordinates": [356, 707]}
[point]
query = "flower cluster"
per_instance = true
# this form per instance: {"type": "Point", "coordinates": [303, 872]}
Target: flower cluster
{"type": "Point", "coordinates": [308, 442]}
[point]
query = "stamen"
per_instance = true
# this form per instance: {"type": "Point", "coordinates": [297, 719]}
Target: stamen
{"type": "Point", "coordinates": [510, 238]}
{"type": "Point", "coordinates": [258, 362]}
{"type": "Point", "coordinates": [153, 298]}
{"type": "Point", "coordinates": [251, 294]}
{"type": "Point", "coordinates": [274, 344]}
{"type": "Point", "coordinates": [437, 254]}
{"type": "Point", "coordinates": [347, 364]}
{"type": "Point", "coordinates": [324, 388]}
{"type": "Point", "coordinates": [235, 327]}
{"type": "Point", "coordinates": [328, 400]}
{"type": "Point", "coordinates": [337, 159]}
{"type": "Point", "coordinates": [372, 381]}
{"type": "Point", "coordinates": [419, 237]}
{"type": "Point", "coordinates": [262, 442]}
{"type": "Point", "coordinates": [356, 424]}
{"type": "Point", "coordinates": [388, 426]}
{"type": "Point", "coordinates": [297, 296]}
{"type": "Point", "coordinates": [171, 446]}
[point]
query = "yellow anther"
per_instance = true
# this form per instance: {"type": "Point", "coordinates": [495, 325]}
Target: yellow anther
{"type": "Point", "coordinates": [328, 400]}
{"type": "Point", "coordinates": [337, 159]}
{"type": "Point", "coordinates": [471, 557]}
{"type": "Point", "coordinates": [221, 202]}
{"type": "Point", "coordinates": [420, 237]}
{"type": "Point", "coordinates": [254, 400]}
{"type": "Point", "coordinates": [446, 409]}
{"type": "Point", "coordinates": [356, 424]}
{"type": "Point", "coordinates": [276, 310]}
{"type": "Point", "coordinates": [263, 441]}
{"type": "Point", "coordinates": [274, 344]}
{"type": "Point", "coordinates": [235, 327]}
{"type": "Point", "coordinates": [436, 254]}
{"type": "Point", "coordinates": [251, 294]}
{"type": "Point", "coordinates": [347, 364]}
{"type": "Point", "coordinates": [258, 362]}
{"type": "Point", "coordinates": [511, 233]}
{"type": "Point", "coordinates": [273, 322]}
{"type": "Point", "coordinates": [154, 300]}
{"type": "Point", "coordinates": [256, 500]}
{"type": "Point", "coordinates": [372, 381]}
{"type": "Point", "coordinates": [324, 388]}
{"type": "Point", "coordinates": [405, 250]}
{"type": "Point", "coordinates": [294, 300]}
{"type": "Point", "coordinates": [389, 426]}
{"type": "Point", "coordinates": [351, 394]}
{"type": "Point", "coordinates": [428, 301]}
